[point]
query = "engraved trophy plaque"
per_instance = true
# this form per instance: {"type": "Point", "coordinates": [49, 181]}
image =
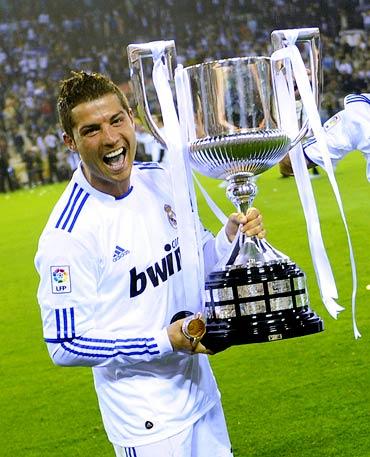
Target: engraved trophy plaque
{"type": "Point", "coordinates": [233, 133]}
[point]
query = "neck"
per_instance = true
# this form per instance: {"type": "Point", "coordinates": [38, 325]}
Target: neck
{"type": "Point", "coordinates": [114, 188]}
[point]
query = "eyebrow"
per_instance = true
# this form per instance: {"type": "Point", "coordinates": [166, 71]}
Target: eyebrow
{"type": "Point", "coordinates": [94, 125]}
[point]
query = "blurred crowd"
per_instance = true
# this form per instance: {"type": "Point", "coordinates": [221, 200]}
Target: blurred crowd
{"type": "Point", "coordinates": [41, 41]}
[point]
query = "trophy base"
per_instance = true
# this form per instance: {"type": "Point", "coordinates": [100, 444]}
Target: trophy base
{"type": "Point", "coordinates": [267, 328]}
{"type": "Point", "coordinates": [262, 303]}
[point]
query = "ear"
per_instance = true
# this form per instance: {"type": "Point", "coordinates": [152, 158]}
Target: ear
{"type": "Point", "coordinates": [69, 142]}
{"type": "Point", "coordinates": [131, 116]}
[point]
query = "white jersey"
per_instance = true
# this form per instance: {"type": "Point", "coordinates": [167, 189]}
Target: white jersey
{"type": "Point", "coordinates": [110, 282]}
{"type": "Point", "coordinates": [346, 131]}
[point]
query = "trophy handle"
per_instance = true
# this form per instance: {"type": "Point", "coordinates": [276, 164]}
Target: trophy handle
{"type": "Point", "coordinates": [136, 53]}
{"type": "Point", "coordinates": [311, 36]}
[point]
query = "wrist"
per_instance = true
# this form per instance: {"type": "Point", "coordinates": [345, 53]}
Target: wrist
{"type": "Point", "coordinates": [194, 328]}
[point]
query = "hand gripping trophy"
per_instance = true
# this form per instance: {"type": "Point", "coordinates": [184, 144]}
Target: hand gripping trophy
{"type": "Point", "coordinates": [233, 132]}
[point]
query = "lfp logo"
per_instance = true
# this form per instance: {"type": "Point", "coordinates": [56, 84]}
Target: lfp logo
{"type": "Point", "coordinates": [60, 279]}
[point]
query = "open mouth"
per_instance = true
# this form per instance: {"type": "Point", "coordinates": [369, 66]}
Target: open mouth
{"type": "Point", "coordinates": [115, 158]}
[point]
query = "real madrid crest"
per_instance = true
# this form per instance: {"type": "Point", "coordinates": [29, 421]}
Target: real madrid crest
{"type": "Point", "coordinates": [171, 215]}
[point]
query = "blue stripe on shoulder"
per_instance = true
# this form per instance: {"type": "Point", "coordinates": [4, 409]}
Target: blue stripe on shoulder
{"type": "Point", "coordinates": [73, 208]}
{"type": "Point", "coordinates": [148, 165]}
{"type": "Point", "coordinates": [354, 98]}
{"type": "Point", "coordinates": [85, 197]}
{"type": "Point", "coordinates": [67, 205]}
{"type": "Point", "coordinates": [308, 143]}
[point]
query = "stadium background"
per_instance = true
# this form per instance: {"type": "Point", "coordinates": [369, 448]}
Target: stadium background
{"type": "Point", "coordinates": [304, 397]}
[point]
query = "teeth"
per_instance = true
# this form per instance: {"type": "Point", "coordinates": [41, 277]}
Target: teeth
{"type": "Point", "coordinates": [113, 154]}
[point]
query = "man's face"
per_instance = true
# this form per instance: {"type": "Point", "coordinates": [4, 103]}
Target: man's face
{"type": "Point", "coordinates": [104, 136]}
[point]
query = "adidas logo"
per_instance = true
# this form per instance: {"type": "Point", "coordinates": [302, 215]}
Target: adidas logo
{"type": "Point", "coordinates": [119, 253]}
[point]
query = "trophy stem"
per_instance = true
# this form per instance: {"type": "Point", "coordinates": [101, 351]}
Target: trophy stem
{"type": "Point", "coordinates": [241, 191]}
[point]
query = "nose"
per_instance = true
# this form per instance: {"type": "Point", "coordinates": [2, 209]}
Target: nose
{"type": "Point", "coordinates": [110, 135]}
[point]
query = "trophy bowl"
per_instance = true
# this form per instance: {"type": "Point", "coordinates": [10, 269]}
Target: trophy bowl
{"type": "Point", "coordinates": [235, 126]}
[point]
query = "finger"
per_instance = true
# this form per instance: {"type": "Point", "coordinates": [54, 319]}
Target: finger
{"type": "Point", "coordinates": [177, 338]}
{"type": "Point", "coordinates": [238, 218]}
{"type": "Point", "coordinates": [252, 213]}
{"type": "Point", "coordinates": [201, 349]}
{"type": "Point", "coordinates": [241, 218]}
{"type": "Point", "coordinates": [252, 226]}
{"type": "Point", "coordinates": [254, 231]}
{"type": "Point", "coordinates": [262, 234]}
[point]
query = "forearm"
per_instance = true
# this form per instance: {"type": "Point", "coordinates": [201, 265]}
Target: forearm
{"type": "Point", "coordinates": [97, 347]}
{"type": "Point", "coordinates": [214, 250]}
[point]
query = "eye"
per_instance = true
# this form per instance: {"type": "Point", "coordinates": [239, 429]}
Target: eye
{"type": "Point", "coordinates": [90, 131]}
{"type": "Point", "coordinates": [118, 120]}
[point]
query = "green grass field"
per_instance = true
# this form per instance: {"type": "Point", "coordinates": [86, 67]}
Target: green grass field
{"type": "Point", "coordinates": [295, 398]}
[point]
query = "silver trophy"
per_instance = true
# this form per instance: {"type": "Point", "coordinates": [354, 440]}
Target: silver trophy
{"type": "Point", "coordinates": [234, 134]}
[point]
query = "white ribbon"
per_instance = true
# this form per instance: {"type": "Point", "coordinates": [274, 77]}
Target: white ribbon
{"type": "Point", "coordinates": [183, 193]}
{"type": "Point", "coordinates": [212, 205]}
{"type": "Point", "coordinates": [286, 101]}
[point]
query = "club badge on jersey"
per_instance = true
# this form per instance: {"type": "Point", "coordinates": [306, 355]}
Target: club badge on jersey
{"type": "Point", "coordinates": [171, 215]}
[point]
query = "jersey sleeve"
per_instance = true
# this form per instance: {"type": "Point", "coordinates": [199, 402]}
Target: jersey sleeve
{"type": "Point", "coordinates": [214, 248]}
{"type": "Point", "coordinates": [346, 131]}
{"type": "Point", "coordinates": [357, 107]}
{"type": "Point", "coordinates": [338, 139]}
{"type": "Point", "coordinates": [68, 296]}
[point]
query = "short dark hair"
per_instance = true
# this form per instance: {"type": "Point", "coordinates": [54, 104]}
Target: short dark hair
{"type": "Point", "coordinates": [84, 87]}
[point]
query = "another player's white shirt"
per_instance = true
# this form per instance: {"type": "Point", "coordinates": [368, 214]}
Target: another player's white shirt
{"type": "Point", "coordinates": [111, 281]}
{"type": "Point", "coordinates": [347, 130]}
{"type": "Point", "coordinates": [151, 145]}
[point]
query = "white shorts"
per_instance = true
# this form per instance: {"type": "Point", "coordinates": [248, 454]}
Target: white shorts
{"type": "Point", "coordinates": [208, 437]}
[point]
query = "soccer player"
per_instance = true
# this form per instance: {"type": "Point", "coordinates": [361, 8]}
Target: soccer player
{"type": "Point", "coordinates": [5, 169]}
{"type": "Point", "coordinates": [111, 282]}
{"type": "Point", "coordinates": [345, 131]}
